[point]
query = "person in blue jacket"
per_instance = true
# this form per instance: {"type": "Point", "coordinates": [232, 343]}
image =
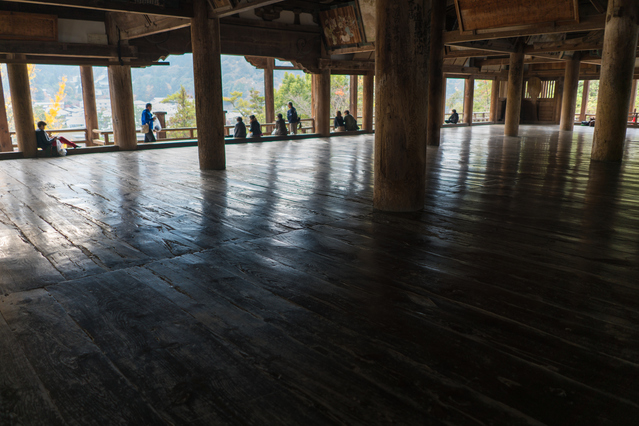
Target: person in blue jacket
{"type": "Point", "coordinates": [292, 117]}
{"type": "Point", "coordinates": [148, 118]}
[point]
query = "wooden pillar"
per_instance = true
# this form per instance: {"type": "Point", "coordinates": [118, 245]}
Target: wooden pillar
{"type": "Point", "coordinates": [161, 117]}
{"type": "Point", "coordinates": [444, 111]}
{"type": "Point", "coordinates": [22, 107]}
{"type": "Point", "coordinates": [5, 136]}
{"type": "Point", "coordinates": [121, 91]}
{"type": "Point", "coordinates": [323, 106]}
{"type": "Point", "coordinates": [367, 107]}
{"type": "Point", "coordinates": [515, 86]}
{"type": "Point", "coordinates": [88, 97]}
{"type": "Point", "coordinates": [207, 75]}
{"type": "Point", "coordinates": [269, 96]}
{"type": "Point", "coordinates": [617, 68]}
{"type": "Point", "coordinates": [469, 97]}
{"type": "Point", "coordinates": [559, 93]}
{"type": "Point", "coordinates": [436, 85]}
{"type": "Point", "coordinates": [353, 101]}
{"type": "Point", "coordinates": [401, 68]}
{"type": "Point", "coordinates": [584, 100]}
{"type": "Point", "coordinates": [569, 98]}
{"type": "Point", "coordinates": [633, 97]}
{"type": "Point", "coordinates": [314, 97]}
{"type": "Point", "coordinates": [494, 101]}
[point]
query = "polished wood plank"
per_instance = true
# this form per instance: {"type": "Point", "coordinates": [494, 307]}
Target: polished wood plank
{"type": "Point", "coordinates": [272, 292]}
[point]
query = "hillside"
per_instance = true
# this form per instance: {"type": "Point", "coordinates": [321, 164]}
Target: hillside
{"type": "Point", "coordinates": [148, 83]}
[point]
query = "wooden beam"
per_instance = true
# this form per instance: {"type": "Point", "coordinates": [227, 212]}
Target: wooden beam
{"type": "Point", "coordinates": [599, 6]}
{"type": "Point", "coordinates": [59, 60]}
{"type": "Point", "coordinates": [590, 23]}
{"type": "Point", "coordinates": [155, 25]}
{"type": "Point", "coordinates": [479, 63]}
{"type": "Point", "coordinates": [244, 7]}
{"type": "Point", "coordinates": [347, 65]}
{"type": "Point", "coordinates": [467, 53]}
{"type": "Point", "coordinates": [349, 50]}
{"type": "Point", "coordinates": [185, 10]}
{"type": "Point", "coordinates": [51, 48]}
{"type": "Point", "coordinates": [563, 46]}
{"type": "Point", "coordinates": [490, 46]}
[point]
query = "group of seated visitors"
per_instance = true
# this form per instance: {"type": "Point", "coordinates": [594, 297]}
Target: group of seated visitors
{"type": "Point", "coordinates": [255, 129]}
{"type": "Point", "coordinates": [590, 122]}
{"type": "Point", "coordinates": [345, 123]}
{"type": "Point", "coordinates": [453, 119]}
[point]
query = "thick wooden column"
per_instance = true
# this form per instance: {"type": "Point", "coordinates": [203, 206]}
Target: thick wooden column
{"type": "Point", "coordinates": [353, 95]}
{"type": "Point", "coordinates": [401, 68]}
{"type": "Point", "coordinates": [5, 137]}
{"type": "Point", "coordinates": [444, 111]}
{"type": "Point", "coordinates": [436, 86]}
{"type": "Point", "coordinates": [323, 105]}
{"type": "Point", "coordinates": [314, 99]}
{"type": "Point", "coordinates": [584, 100]}
{"type": "Point", "coordinates": [207, 75]}
{"type": "Point", "coordinates": [569, 99]}
{"type": "Point", "coordinates": [494, 101]}
{"type": "Point", "coordinates": [617, 68]}
{"type": "Point", "coordinates": [469, 98]}
{"type": "Point", "coordinates": [515, 87]}
{"type": "Point", "coordinates": [22, 107]}
{"type": "Point", "coordinates": [269, 96]}
{"type": "Point", "coordinates": [367, 107]}
{"type": "Point", "coordinates": [633, 97]}
{"type": "Point", "coordinates": [88, 97]}
{"type": "Point", "coordinates": [121, 92]}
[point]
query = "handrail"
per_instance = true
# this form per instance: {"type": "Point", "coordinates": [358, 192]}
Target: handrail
{"type": "Point", "coordinates": [192, 131]}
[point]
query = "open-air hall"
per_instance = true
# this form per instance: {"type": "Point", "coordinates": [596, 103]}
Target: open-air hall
{"type": "Point", "coordinates": [408, 273]}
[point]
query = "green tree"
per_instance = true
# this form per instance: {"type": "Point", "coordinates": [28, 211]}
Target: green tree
{"type": "Point", "coordinates": [296, 89]}
{"type": "Point", "coordinates": [256, 104]}
{"type": "Point", "coordinates": [481, 99]}
{"type": "Point", "coordinates": [340, 93]}
{"type": "Point", "coordinates": [185, 114]}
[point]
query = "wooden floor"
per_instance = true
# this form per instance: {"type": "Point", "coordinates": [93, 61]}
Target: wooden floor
{"type": "Point", "coordinates": [137, 290]}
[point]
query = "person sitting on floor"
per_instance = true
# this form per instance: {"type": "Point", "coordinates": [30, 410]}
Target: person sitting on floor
{"type": "Point", "coordinates": [44, 140]}
{"type": "Point", "coordinates": [338, 122]}
{"type": "Point", "coordinates": [590, 122]}
{"type": "Point", "coordinates": [350, 123]}
{"type": "Point", "coordinates": [454, 118]}
{"type": "Point", "coordinates": [280, 126]}
{"type": "Point", "coordinates": [256, 129]}
{"type": "Point", "coordinates": [240, 129]}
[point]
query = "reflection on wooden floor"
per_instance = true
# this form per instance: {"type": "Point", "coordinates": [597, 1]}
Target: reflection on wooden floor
{"type": "Point", "coordinates": [137, 290]}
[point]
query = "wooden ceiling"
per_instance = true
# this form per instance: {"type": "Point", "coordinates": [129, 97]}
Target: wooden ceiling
{"type": "Point", "coordinates": [478, 37]}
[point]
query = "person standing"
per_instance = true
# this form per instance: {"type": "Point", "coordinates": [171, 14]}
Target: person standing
{"type": "Point", "coordinates": [350, 122]}
{"type": "Point", "coordinates": [148, 118]}
{"type": "Point", "coordinates": [292, 117]}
